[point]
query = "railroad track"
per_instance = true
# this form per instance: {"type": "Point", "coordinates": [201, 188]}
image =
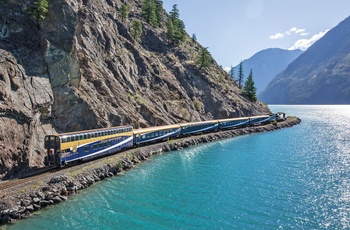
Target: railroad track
{"type": "Point", "coordinates": [26, 179]}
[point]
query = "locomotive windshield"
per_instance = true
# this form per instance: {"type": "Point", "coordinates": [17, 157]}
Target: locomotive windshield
{"type": "Point", "coordinates": [52, 142]}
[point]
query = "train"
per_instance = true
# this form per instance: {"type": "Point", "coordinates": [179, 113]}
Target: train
{"type": "Point", "coordinates": [69, 148]}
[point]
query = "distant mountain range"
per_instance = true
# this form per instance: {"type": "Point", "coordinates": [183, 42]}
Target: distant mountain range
{"type": "Point", "coordinates": [266, 64]}
{"type": "Point", "coordinates": [321, 75]}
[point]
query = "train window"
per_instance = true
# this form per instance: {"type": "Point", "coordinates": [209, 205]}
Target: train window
{"type": "Point", "coordinates": [109, 132]}
{"type": "Point", "coordinates": [94, 147]}
{"type": "Point", "coordinates": [72, 138]}
{"type": "Point", "coordinates": [99, 134]}
{"type": "Point", "coordinates": [86, 148]}
{"type": "Point", "coordinates": [63, 140]}
{"type": "Point", "coordinates": [88, 135]}
{"type": "Point", "coordinates": [76, 137]}
{"type": "Point", "coordinates": [101, 145]}
{"type": "Point", "coordinates": [81, 137]}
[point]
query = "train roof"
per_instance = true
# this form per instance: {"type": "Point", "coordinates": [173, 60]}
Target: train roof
{"type": "Point", "coordinates": [156, 128]}
{"type": "Point", "coordinates": [91, 130]}
{"type": "Point", "coordinates": [233, 119]}
{"type": "Point", "coordinates": [198, 123]}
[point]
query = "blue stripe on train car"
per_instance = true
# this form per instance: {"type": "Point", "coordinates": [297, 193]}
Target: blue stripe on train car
{"type": "Point", "coordinates": [206, 127]}
{"type": "Point", "coordinates": [156, 135]}
{"type": "Point", "coordinates": [233, 124]}
{"type": "Point", "coordinates": [259, 120]}
{"type": "Point", "coordinates": [98, 148]}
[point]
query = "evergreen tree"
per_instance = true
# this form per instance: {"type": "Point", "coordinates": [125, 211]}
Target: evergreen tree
{"type": "Point", "coordinates": [204, 58]}
{"type": "Point", "coordinates": [124, 11]}
{"type": "Point", "coordinates": [194, 37]}
{"type": "Point", "coordinates": [178, 27]}
{"type": "Point", "coordinates": [151, 11]}
{"type": "Point", "coordinates": [249, 90]}
{"type": "Point", "coordinates": [41, 9]}
{"type": "Point", "coordinates": [240, 75]}
{"type": "Point", "coordinates": [170, 30]}
{"type": "Point", "coordinates": [136, 30]}
{"type": "Point", "coordinates": [232, 72]}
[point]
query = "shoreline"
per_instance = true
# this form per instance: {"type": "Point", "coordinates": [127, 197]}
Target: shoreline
{"type": "Point", "coordinates": [21, 201]}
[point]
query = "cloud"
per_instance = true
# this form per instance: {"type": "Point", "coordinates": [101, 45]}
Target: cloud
{"type": "Point", "coordinates": [276, 36]}
{"type": "Point", "coordinates": [227, 69]}
{"type": "Point", "coordinates": [303, 44]}
{"type": "Point", "coordinates": [293, 30]}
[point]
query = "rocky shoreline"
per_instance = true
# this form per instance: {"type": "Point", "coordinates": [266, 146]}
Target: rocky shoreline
{"type": "Point", "coordinates": [20, 202]}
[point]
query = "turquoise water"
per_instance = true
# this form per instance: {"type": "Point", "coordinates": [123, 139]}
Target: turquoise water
{"type": "Point", "coordinates": [295, 178]}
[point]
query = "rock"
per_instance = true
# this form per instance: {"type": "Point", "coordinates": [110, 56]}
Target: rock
{"type": "Point", "coordinates": [57, 199]}
{"type": "Point", "coordinates": [44, 203]}
{"type": "Point", "coordinates": [30, 208]}
{"type": "Point", "coordinates": [68, 77]}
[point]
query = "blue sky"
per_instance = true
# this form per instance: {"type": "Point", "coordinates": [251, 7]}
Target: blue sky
{"type": "Point", "coordinates": [235, 30]}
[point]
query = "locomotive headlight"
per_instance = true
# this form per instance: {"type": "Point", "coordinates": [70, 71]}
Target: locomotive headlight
{"type": "Point", "coordinates": [51, 151]}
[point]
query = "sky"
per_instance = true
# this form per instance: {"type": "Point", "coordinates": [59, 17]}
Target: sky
{"type": "Point", "coordinates": [234, 30]}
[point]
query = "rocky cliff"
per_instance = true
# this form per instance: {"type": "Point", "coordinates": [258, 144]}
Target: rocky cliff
{"type": "Point", "coordinates": [318, 76]}
{"type": "Point", "coordinates": [80, 68]}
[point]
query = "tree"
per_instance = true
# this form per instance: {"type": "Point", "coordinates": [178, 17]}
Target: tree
{"type": "Point", "coordinates": [124, 11]}
{"type": "Point", "coordinates": [178, 32]}
{"type": "Point", "coordinates": [249, 90]}
{"type": "Point", "coordinates": [194, 37]}
{"type": "Point", "coordinates": [240, 75]}
{"type": "Point", "coordinates": [232, 72]}
{"type": "Point", "coordinates": [151, 11]}
{"type": "Point", "coordinates": [204, 58]}
{"type": "Point", "coordinates": [136, 30]}
{"type": "Point", "coordinates": [41, 9]}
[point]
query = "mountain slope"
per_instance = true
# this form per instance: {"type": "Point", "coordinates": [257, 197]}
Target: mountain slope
{"type": "Point", "coordinates": [321, 75]}
{"type": "Point", "coordinates": [266, 64]}
{"type": "Point", "coordinates": [80, 68]}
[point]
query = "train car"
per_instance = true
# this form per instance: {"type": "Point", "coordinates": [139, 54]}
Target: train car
{"type": "Point", "coordinates": [198, 127]}
{"type": "Point", "coordinates": [76, 146]}
{"type": "Point", "coordinates": [231, 123]}
{"type": "Point", "coordinates": [153, 134]}
{"type": "Point", "coordinates": [258, 120]}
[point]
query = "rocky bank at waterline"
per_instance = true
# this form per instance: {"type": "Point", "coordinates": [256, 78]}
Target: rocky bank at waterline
{"type": "Point", "coordinates": [20, 201]}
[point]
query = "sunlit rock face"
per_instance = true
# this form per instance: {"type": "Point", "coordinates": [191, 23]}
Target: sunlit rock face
{"type": "Point", "coordinates": [80, 68]}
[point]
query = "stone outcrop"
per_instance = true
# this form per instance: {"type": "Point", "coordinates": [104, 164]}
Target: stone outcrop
{"type": "Point", "coordinates": [80, 68]}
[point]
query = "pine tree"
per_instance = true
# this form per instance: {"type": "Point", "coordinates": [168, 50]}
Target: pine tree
{"type": "Point", "coordinates": [124, 11]}
{"type": "Point", "coordinates": [249, 90]}
{"type": "Point", "coordinates": [204, 58]}
{"type": "Point", "coordinates": [41, 9]}
{"type": "Point", "coordinates": [178, 32]}
{"type": "Point", "coordinates": [232, 72]}
{"type": "Point", "coordinates": [136, 30]}
{"type": "Point", "coordinates": [240, 75]}
{"type": "Point", "coordinates": [151, 11]}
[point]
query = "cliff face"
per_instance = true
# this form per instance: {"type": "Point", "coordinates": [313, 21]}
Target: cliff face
{"type": "Point", "coordinates": [318, 76]}
{"type": "Point", "coordinates": [81, 69]}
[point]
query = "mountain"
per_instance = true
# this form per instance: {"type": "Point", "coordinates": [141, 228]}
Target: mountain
{"type": "Point", "coordinates": [266, 64]}
{"type": "Point", "coordinates": [80, 68]}
{"type": "Point", "coordinates": [321, 75]}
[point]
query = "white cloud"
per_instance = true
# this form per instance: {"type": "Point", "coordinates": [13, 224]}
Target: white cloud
{"type": "Point", "coordinates": [293, 30]}
{"type": "Point", "coordinates": [303, 44]}
{"type": "Point", "coordinates": [304, 34]}
{"type": "Point", "coordinates": [276, 36]}
{"type": "Point", "coordinates": [227, 69]}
